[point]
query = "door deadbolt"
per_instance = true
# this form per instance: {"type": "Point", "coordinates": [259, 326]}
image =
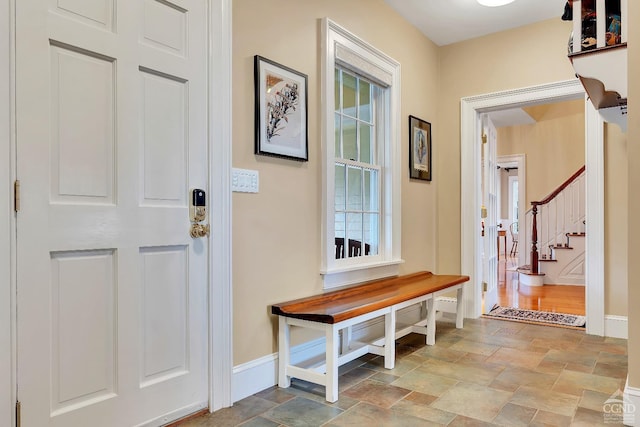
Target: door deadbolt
{"type": "Point", "coordinates": [198, 205]}
{"type": "Point", "coordinates": [198, 214]}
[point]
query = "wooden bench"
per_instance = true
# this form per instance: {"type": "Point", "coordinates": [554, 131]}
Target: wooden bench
{"type": "Point", "coordinates": [336, 311]}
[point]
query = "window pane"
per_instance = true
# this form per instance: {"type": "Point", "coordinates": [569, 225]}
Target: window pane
{"type": "Point", "coordinates": [341, 224]}
{"type": "Point", "coordinates": [365, 143]}
{"type": "Point", "coordinates": [340, 188]}
{"type": "Point", "coordinates": [348, 94]}
{"type": "Point", "coordinates": [371, 227]}
{"type": "Point", "coordinates": [349, 147]}
{"type": "Point", "coordinates": [340, 235]}
{"type": "Point", "coordinates": [357, 187]}
{"type": "Point", "coordinates": [337, 132]}
{"type": "Point", "coordinates": [354, 234]}
{"type": "Point", "coordinates": [337, 90]}
{"type": "Point", "coordinates": [370, 190]}
{"type": "Point", "coordinates": [365, 101]}
{"type": "Point", "coordinates": [354, 189]}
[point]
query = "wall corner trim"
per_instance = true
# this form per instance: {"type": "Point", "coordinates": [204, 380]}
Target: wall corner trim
{"type": "Point", "coordinates": [631, 399]}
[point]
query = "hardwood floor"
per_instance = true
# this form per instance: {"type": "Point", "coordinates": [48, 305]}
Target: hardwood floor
{"type": "Point", "coordinates": [556, 298]}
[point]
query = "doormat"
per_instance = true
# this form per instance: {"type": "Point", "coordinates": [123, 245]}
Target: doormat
{"type": "Point", "coordinates": [541, 317]}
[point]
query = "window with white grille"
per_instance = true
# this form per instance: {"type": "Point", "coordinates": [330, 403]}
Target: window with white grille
{"type": "Point", "coordinates": [357, 172]}
{"type": "Point", "coordinates": [361, 172]}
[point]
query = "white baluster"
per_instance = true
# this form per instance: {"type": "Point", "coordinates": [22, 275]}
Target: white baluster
{"type": "Point", "coordinates": [601, 23]}
{"type": "Point", "coordinates": [623, 20]}
{"type": "Point", "coordinates": [577, 26]}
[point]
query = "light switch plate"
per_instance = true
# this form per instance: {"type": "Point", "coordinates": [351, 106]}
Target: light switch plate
{"type": "Point", "coordinates": [245, 181]}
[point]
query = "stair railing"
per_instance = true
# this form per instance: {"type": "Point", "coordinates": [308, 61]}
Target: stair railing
{"type": "Point", "coordinates": [561, 212]}
{"type": "Point", "coordinates": [603, 35]}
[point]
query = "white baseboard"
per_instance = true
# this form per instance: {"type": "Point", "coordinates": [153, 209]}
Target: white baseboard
{"type": "Point", "coordinates": [632, 403]}
{"type": "Point", "coordinates": [530, 279]}
{"type": "Point", "coordinates": [446, 304]}
{"type": "Point", "coordinates": [616, 326]}
{"type": "Point", "coordinates": [259, 374]}
{"type": "Point", "coordinates": [254, 376]}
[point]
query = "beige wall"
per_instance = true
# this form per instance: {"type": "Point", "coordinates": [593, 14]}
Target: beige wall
{"type": "Point", "coordinates": [553, 146]}
{"type": "Point", "coordinates": [504, 191]}
{"type": "Point", "coordinates": [554, 149]}
{"type": "Point", "coordinates": [536, 55]}
{"type": "Point", "coordinates": [615, 216]}
{"type": "Point", "coordinates": [633, 157]}
{"type": "Point", "coordinates": [517, 58]}
{"type": "Point", "coordinates": [276, 245]}
{"type": "Point", "coordinates": [503, 176]}
{"type": "Point", "coordinates": [277, 232]}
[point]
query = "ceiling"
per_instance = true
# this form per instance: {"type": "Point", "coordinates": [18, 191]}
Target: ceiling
{"type": "Point", "coordinates": [536, 113]}
{"type": "Point", "coordinates": [450, 21]}
{"type": "Point", "coordinates": [511, 117]}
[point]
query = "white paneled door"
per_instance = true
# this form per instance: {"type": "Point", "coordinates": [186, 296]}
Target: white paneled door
{"type": "Point", "coordinates": [490, 208]}
{"type": "Point", "coordinates": [111, 137]}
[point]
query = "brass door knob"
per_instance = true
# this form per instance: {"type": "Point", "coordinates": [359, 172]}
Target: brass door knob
{"type": "Point", "coordinates": [199, 230]}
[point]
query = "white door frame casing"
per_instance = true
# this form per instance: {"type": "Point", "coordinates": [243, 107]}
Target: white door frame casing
{"type": "Point", "coordinates": [220, 268]}
{"type": "Point", "coordinates": [470, 108]}
{"type": "Point", "coordinates": [220, 303]}
{"type": "Point", "coordinates": [7, 227]}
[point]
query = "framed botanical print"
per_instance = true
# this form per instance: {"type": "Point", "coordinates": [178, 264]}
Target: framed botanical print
{"type": "Point", "coordinates": [280, 111]}
{"type": "Point", "coordinates": [419, 149]}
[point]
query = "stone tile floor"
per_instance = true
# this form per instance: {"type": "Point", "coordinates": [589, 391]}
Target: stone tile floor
{"type": "Point", "coordinates": [491, 372]}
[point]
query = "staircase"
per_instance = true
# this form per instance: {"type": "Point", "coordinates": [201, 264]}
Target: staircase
{"type": "Point", "coordinates": [555, 232]}
{"type": "Point", "coordinates": [598, 53]}
{"type": "Point", "coordinates": [565, 264]}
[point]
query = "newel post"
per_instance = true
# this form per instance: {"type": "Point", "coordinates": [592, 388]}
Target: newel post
{"type": "Point", "coordinates": [534, 240]}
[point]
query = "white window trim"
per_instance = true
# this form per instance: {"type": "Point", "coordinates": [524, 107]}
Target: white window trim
{"type": "Point", "coordinates": [385, 71]}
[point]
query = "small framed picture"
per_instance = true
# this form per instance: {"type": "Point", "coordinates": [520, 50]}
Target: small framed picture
{"type": "Point", "coordinates": [419, 149]}
{"type": "Point", "coordinates": [280, 111]}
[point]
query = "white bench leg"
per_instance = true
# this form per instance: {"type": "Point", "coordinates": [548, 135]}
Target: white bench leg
{"type": "Point", "coordinates": [390, 339]}
{"type": "Point", "coordinates": [431, 321]}
{"type": "Point", "coordinates": [460, 307]}
{"type": "Point", "coordinates": [345, 340]}
{"type": "Point", "coordinates": [331, 376]}
{"type": "Point", "coordinates": [284, 347]}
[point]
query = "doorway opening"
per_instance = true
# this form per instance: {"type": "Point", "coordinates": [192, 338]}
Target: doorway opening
{"type": "Point", "coordinates": [550, 137]}
{"type": "Point", "coordinates": [471, 242]}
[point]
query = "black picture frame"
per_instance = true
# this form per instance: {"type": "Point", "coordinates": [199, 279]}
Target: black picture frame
{"type": "Point", "coordinates": [419, 149]}
{"type": "Point", "coordinates": [281, 117]}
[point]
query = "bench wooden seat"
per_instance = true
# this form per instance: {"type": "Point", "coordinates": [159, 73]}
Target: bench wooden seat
{"type": "Point", "coordinates": [337, 311]}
